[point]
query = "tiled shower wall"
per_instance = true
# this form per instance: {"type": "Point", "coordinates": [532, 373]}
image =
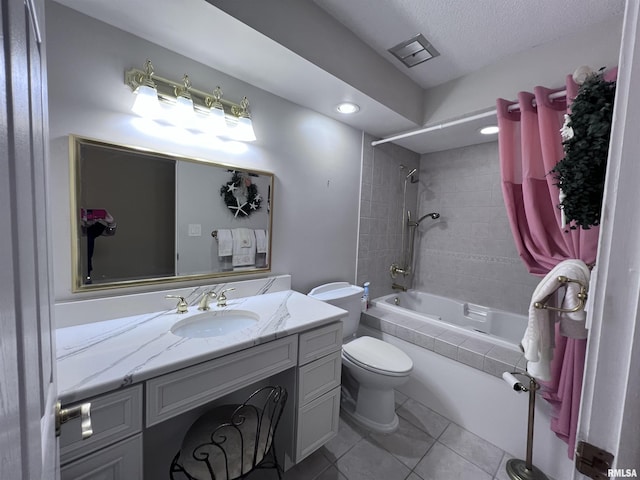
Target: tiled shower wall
{"type": "Point", "coordinates": [380, 240]}
{"type": "Point", "coordinates": [469, 253]}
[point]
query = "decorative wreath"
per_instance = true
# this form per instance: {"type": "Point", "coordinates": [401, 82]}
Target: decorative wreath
{"type": "Point", "coordinates": [586, 131]}
{"type": "Point", "coordinates": [241, 195]}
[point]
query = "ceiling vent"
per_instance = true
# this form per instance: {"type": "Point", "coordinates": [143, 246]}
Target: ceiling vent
{"type": "Point", "coordinates": [414, 51]}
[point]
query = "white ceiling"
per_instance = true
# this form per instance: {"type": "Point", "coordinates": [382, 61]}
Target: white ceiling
{"type": "Point", "coordinates": [468, 34]}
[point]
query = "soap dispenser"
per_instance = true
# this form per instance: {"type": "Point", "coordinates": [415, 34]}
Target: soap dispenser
{"type": "Point", "coordinates": [365, 296]}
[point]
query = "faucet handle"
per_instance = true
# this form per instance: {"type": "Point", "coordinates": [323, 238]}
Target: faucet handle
{"type": "Point", "coordinates": [182, 303]}
{"type": "Point", "coordinates": [204, 301]}
{"type": "Point", "coordinates": [222, 298]}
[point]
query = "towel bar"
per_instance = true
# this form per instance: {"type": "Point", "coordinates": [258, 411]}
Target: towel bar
{"type": "Point", "coordinates": [582, 297]}
{"type": "Point", "coordinates": [214, 233]}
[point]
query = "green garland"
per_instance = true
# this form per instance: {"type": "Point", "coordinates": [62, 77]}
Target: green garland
{"type": "Point", "coordinates": [240, 207]}
{"type": "Point", "coordinates": [581, 173]}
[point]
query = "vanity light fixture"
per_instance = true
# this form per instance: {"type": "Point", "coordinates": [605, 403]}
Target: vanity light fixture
{"type": "Point", "coordinates": [181, 104]}
{"type": "Point", "coordinates": [183, 114]}
{"type": "Point", "coordinates": [216, 117]}
{"type": "Point", "coordinates": [490, 130]}
{"type": "Point", "coordinates": [146, 103]}
{"type": "Point", "coordinates": [244, 128]}
{"type": "Point", "coordinates": [347, 108]}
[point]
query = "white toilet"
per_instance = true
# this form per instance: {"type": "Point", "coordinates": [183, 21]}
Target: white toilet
{"type": "Point", "coordinates": [372, 369]}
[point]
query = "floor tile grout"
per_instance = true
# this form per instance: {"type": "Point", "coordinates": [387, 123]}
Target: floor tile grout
{"type": "Point", "coordinates": [333, 461]}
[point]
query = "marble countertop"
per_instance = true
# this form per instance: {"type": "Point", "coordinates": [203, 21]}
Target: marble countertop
{"type": "Point", "coordinates": [99, 357]}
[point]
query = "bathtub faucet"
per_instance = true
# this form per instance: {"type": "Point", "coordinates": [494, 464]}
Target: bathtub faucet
{"type": "Point", "coordinates": [397, 286]}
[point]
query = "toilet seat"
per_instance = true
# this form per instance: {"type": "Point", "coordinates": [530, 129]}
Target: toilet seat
{"type": "Point", "coordinates": [378, 356]}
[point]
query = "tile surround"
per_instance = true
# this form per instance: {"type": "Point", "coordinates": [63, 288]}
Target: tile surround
{"type": "Point", "coordinates": [469, 253]}
{"type": "Point", "coordinates": [380, 239]}
{"type": "Point", "coordinates": [474, 352]}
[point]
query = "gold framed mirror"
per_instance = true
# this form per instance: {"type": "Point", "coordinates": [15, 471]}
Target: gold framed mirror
{"type": "Point", "coordinates": [142, 217]}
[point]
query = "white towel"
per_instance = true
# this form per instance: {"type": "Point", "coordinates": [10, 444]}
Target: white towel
{"type": "Point", "coordinates": [538, 341]}
{"type": "Point", "coordinates": [262, 243]}
{"type": "Point", "coordinates": [225, 243]}
{"type": "Point", "coordinates": [244, 248]}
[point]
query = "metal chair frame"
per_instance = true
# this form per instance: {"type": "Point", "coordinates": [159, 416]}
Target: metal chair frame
{"type": "Point", "coordinates": [267, 420]}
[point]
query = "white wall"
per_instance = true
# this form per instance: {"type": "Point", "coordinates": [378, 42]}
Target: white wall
{"type": "Point", "coordinates": [547, 64]}
{"type": "Point", "coordinates": [316, 160]}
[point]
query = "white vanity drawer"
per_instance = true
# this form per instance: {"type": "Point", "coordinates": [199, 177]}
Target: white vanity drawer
{"type": "Point", "coordinates": [177, 392]}
{"type": "Point", "coordinates": [317, 423]}
{"type": "Point", "coordinates": [114, 416]}
{"type": "Point", "coordinates": [320, 342]}
{"type": "Point", "coordinates": [122, 461]}
{"type": "Point", "coordinates": [318, 377]}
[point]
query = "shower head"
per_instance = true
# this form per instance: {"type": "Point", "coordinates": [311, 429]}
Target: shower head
{"type": "Point", "coordinates": [433, 215]}
{"type": "Point", "coordinates": [410, 174]}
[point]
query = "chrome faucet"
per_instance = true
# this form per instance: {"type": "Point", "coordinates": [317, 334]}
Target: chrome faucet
{"type": "Point", "coordinates": [182, 306]}
{"type": "Point", "coordinates": [222, 299]}
{"type": "Point", "coordinates": [204, 301]}
{"type": "Point", "coordinates": [397, 286]}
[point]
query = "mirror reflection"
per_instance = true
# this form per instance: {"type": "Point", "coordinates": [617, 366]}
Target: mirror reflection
{"type": "Point", "coordinates": [144, 217]}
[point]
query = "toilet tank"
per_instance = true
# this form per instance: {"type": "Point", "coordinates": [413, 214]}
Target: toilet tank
{"type": "Point", "coordinates": [345, 296]}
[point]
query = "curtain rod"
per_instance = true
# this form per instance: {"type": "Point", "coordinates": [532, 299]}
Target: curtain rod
{"type": "Point", "coordinates": [471, 118]}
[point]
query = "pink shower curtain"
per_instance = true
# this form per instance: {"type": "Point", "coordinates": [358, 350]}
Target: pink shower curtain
{"type": "Point", "coordinates": [530, 145]}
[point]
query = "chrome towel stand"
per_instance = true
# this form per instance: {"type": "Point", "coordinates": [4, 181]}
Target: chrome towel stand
{"type": "Point", "coordinates": [563, 281]}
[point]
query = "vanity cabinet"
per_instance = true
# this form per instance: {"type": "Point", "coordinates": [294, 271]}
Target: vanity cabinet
{"type": "Point", "coordinates": [318, 388]}
{"type": "Point", "coordinates": [180, 391]}
{"type": "Point", "coordinates": [310, 361]}
{"type": "Point", "coordinates": [115, 448]}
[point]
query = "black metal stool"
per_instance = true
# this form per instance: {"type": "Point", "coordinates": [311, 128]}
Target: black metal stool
{"type": "Point", "coordinates": [230, 441]}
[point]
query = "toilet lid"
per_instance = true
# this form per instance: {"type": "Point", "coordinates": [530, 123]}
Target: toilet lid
{"type": "Point", "coordinates": [376, 354]}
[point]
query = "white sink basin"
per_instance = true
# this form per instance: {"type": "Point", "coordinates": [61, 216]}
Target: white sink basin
{"type": "Point", "coordinates": [214, 323]}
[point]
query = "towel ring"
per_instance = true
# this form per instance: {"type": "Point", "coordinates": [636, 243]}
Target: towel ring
{"type": "Point", "coordinates": [582, 297]}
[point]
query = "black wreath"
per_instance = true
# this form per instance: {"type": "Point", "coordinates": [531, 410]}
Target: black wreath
{"type": "Point", "coordinates": [237, 206]}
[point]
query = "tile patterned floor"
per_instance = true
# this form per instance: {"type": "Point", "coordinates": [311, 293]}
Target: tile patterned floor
{"type": "Point", "coordinates": [426, 446]}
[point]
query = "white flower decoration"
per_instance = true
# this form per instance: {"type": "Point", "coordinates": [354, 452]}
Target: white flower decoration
{"type": "Point", "coordinates": [566, 131]}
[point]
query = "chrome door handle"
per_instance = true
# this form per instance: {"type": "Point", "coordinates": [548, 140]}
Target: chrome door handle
{"type": "Point", "coordinates": [63, 415]}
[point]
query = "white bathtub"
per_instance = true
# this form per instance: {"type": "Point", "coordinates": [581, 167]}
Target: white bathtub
{"type": "Point", "coordinates": [475, 399]}
{"type": "Point", "coordinates": [496, 326]}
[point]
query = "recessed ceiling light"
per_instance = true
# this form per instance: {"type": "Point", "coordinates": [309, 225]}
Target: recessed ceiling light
{"type": "Point", "coordinates": [490, 130]}
{"type": "Point", "coordinates": [347, 107]}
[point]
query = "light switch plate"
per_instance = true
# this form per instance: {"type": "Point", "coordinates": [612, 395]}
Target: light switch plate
{"type": "Point", "coordinates": [195, 230]}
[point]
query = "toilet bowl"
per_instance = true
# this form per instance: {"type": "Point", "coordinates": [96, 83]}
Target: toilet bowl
{"type": "Point", "coordinates": [372, 369]}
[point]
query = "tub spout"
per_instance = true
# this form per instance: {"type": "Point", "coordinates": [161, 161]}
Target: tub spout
{"type": "Point", "coordinates": [397, 286]}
